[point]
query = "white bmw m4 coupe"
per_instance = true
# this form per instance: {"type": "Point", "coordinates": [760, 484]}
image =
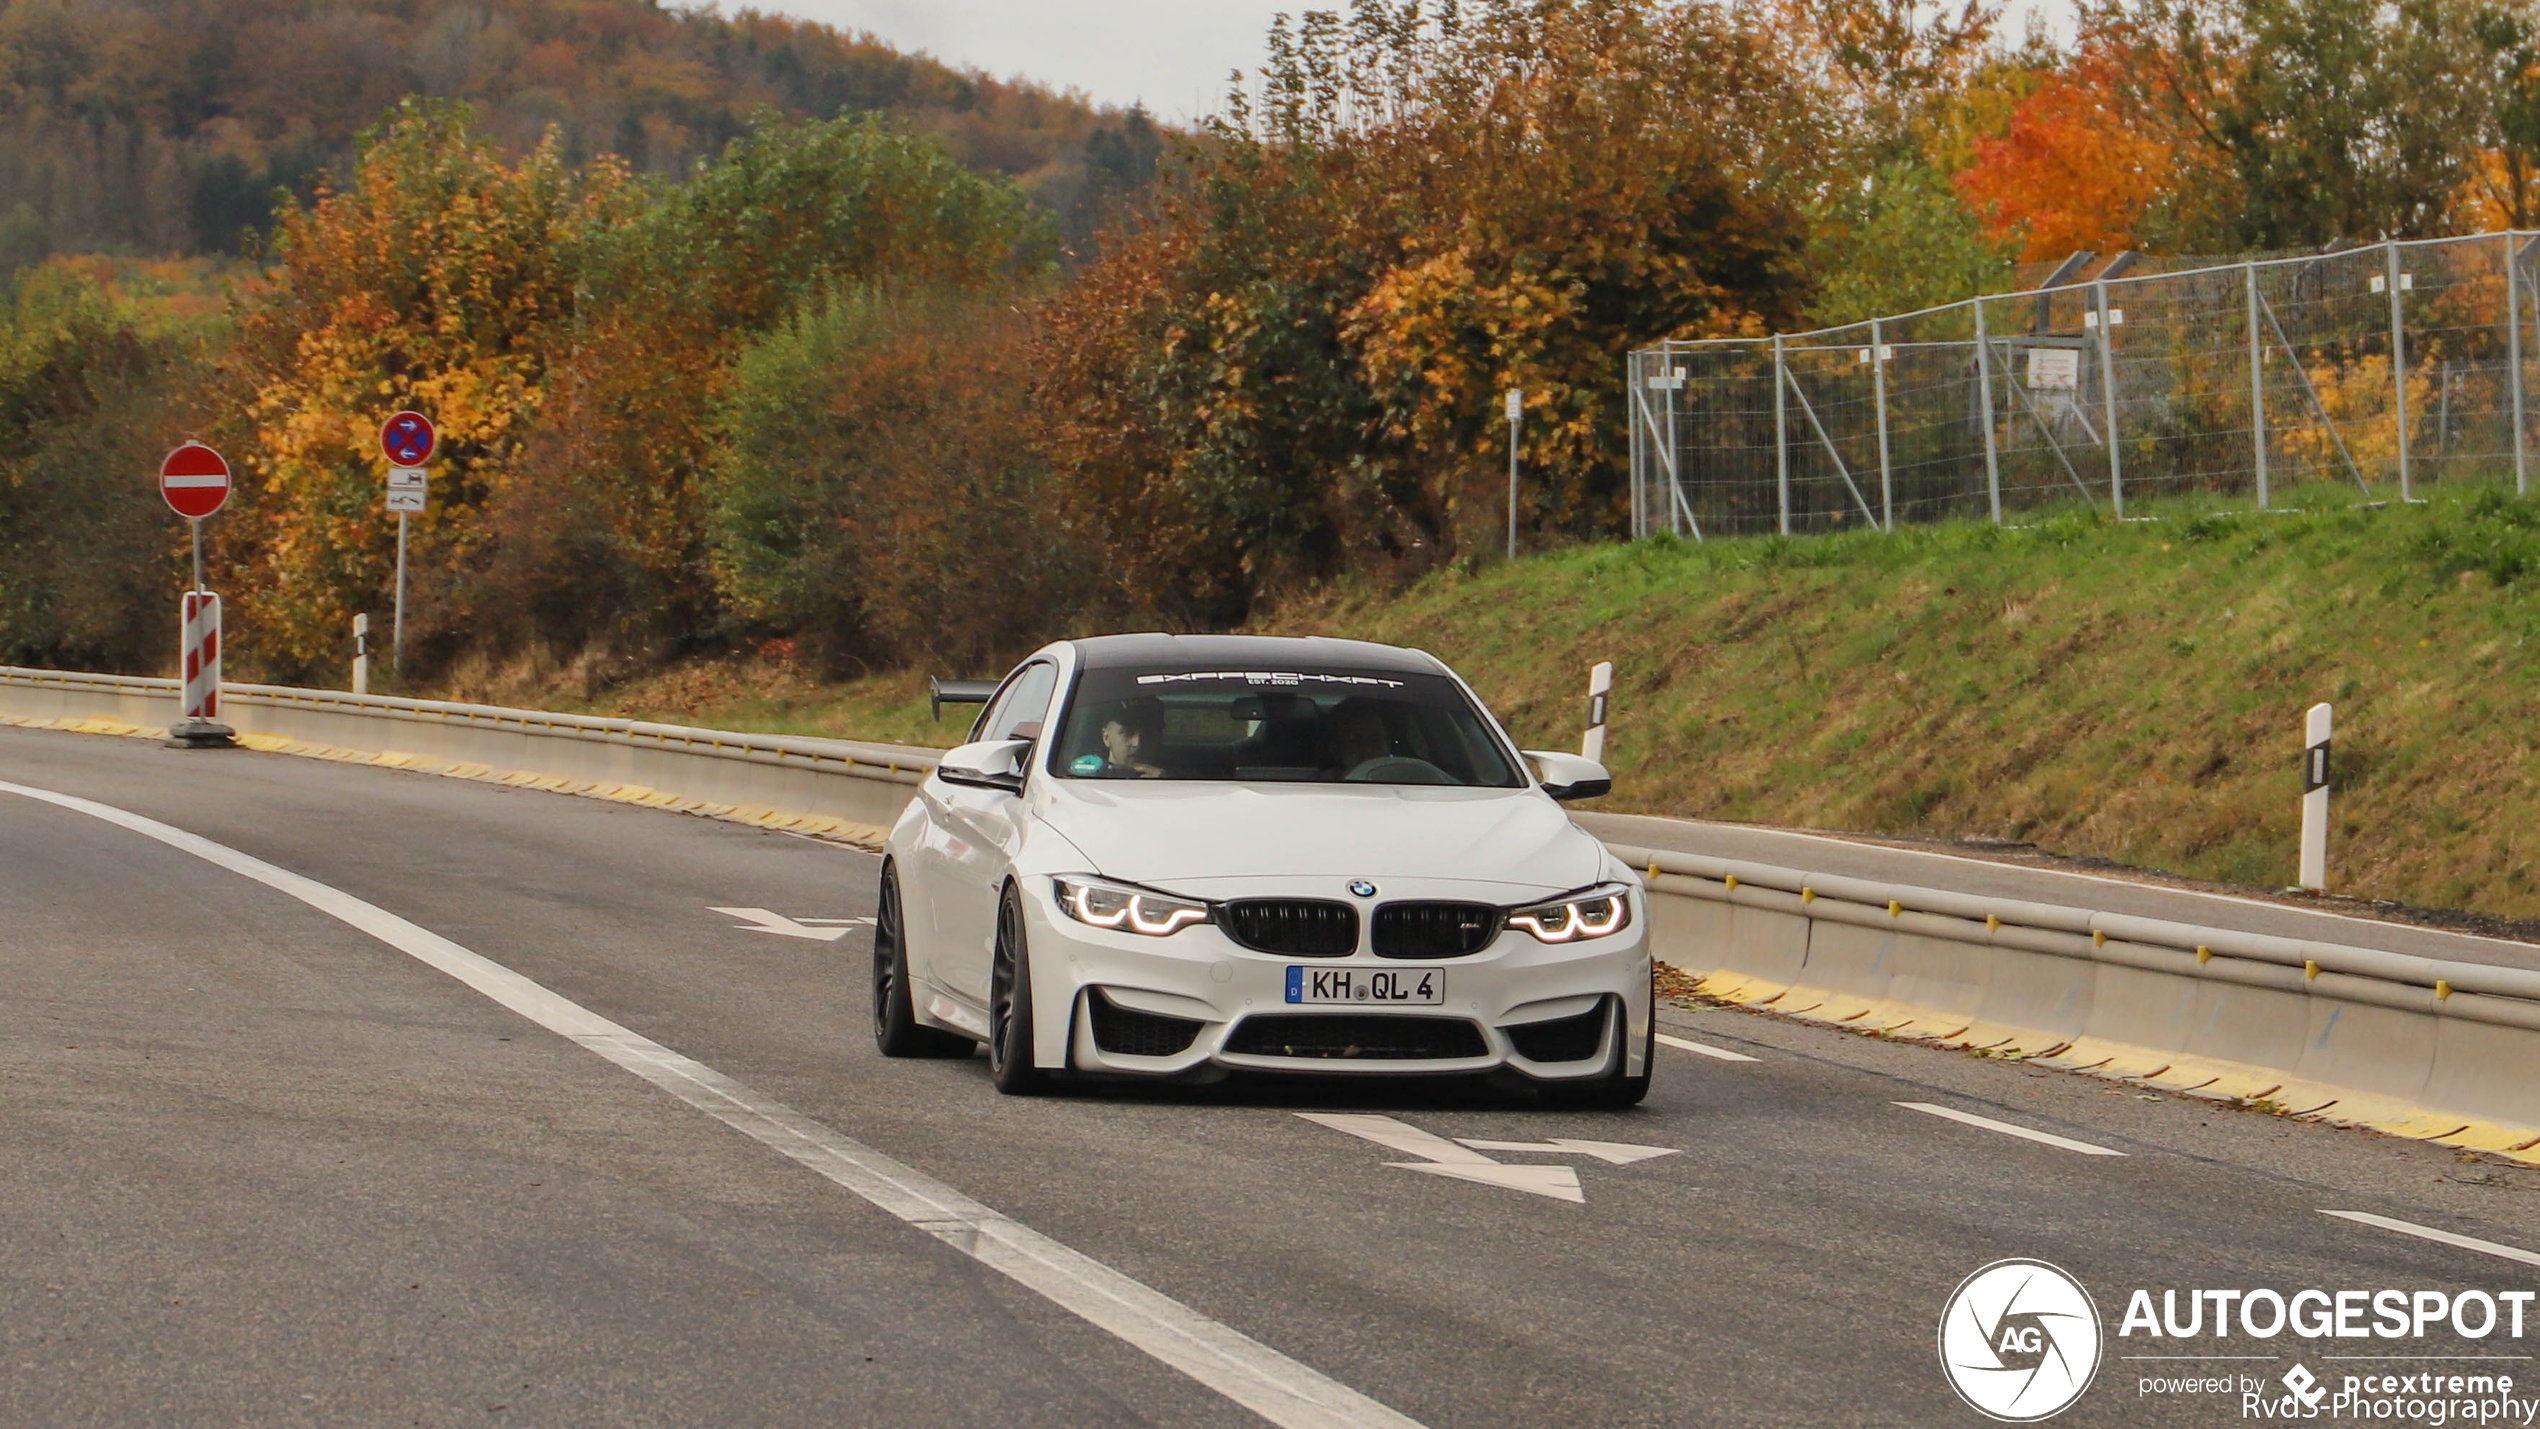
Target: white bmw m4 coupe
{"type": "Point", "coordinates": [1167, 856]}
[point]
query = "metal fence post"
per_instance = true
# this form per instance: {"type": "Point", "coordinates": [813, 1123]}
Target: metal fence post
{"type": "Point", "coordinates": [2257, 385]}
{"type": "Point", "coordinates": [1781, 434]}
{"type": "Point", "coordinates": [1984, 404]}
{"type": "Point", "coordinates": [1631, 435]}
{"type": "Point", "coordinates": [2513, 353]}
{"type": "Point", "coordinates": [1675, 453]}
{"type": "Point", "coordinates": [1878, 396]}
{"type": "Point", "coordinates": [2398, 366]}
{"type": "Point", "coordinates": [2108, 397]}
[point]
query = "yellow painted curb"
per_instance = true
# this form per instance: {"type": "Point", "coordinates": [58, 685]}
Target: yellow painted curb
{"type": "Point", "coordinates": [2256, 1088]}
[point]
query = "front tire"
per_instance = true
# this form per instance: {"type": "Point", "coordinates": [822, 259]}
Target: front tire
{"type": "Point", "coordinates": [896, 1030]}
{"type": "Point", "coordinates": [1010, 1006]}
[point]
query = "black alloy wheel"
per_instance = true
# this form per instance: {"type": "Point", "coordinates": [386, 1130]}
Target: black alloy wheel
{"type": "Point", "coordinates": [896, 1030]}
{"type": "Point", "coordinates": [1010, 1006]}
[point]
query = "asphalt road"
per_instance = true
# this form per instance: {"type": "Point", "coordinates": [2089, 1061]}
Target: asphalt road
{"type": "Point", "coordinates": [264, 1168]}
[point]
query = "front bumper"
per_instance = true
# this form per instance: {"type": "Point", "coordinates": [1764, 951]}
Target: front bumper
{"type": "Point", "coordinates": [1516, 995]}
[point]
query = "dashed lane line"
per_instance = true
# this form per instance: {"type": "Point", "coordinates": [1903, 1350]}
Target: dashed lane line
{"type": "Point", "coordinates": [1969, 1118]}
{"type": "Point", "coordinates": [2465, 1242]}
{"type": "Point", "coordinates": [1703, 1049]}
{"type": "Point", "coordinates": [1279, 1389]}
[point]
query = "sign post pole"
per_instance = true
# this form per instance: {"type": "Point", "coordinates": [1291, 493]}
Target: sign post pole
{"type": "Point", "coordinates": [408, 439]}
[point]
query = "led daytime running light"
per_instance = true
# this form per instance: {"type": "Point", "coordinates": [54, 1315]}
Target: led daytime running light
{"type": "Point", "coordinates": [1597, 916]}
{"type": "Point", "coordinates": [1147, 913]}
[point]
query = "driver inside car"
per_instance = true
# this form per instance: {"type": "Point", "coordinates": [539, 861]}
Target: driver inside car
{"type": "Point", "coordinates": [1131, 738]}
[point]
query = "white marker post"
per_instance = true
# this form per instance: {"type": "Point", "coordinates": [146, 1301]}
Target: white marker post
{"type": "Point", "coordinates": [361, 654]}
{"type": "Point", "coordinates": [2315, 800]}
{"type": "Point", "coordinates": [1600, 686]}
{"type": "Point", "coordinates": [1516, 415]}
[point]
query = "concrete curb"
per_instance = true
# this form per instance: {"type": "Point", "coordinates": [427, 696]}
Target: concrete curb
{"type": "Point", "coordinates": [2414, 1046]}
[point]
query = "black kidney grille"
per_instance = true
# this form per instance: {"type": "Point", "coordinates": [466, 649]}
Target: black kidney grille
{"type": "Point", "coordinates": [1131, 1033]}
{"type": "Point", "coordinates": [1364, 1035]}
{"type": "Point", "coordinates": [1293, 927]}
{"type": "Point", "coordinates": [1434, 930]}
{"type": "Point", "coordinates": [1563, 1039]}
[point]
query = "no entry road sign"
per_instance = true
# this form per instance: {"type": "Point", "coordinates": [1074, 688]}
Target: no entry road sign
{"type": "Point", "coordinates": [408, 439]}
{"type": "Point", "coordinates": [195, 480]}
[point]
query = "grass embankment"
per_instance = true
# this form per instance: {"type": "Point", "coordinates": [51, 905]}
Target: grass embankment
{"type": "Point", "coordinates": [2129, 691]}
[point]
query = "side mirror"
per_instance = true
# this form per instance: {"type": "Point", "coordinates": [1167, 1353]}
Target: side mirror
{"type": "Point", "coordinates": [989, 764]}
{"type": "Point", "coordinates": [1570, 776]}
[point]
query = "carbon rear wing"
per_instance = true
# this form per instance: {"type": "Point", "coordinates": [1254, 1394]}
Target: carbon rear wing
{"type": "Point", "coordinates": [941, 692]}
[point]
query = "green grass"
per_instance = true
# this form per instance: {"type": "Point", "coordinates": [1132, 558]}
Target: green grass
{"type": "Point", "coordinates": [2133, 691]}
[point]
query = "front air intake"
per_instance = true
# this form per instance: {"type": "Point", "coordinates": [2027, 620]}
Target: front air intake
{"type": "Point", "coordinates": [1127, 1032]}
{"type": "Point", "coordinates": [1563, 1039]}
{"type": "Point", "coordinates": [1434, 930]}
{"type": "Point", "coordinates": [1292, 927]}
{"type": "Point", "coordinates": [1368, 1036]}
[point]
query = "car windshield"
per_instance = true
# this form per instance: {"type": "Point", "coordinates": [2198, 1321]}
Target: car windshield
{"type": "Point", "coordinates": [1327, 726]}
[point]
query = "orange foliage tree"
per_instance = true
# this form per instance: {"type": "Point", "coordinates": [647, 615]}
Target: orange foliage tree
{"type": "Point", "coordinates": [2076, 170]}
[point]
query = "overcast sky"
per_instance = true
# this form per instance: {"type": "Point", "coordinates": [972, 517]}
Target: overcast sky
{"type": "Point", "coordinates": [1172, 54]}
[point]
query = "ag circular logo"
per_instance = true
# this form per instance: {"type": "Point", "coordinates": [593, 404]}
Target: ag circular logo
{"type": "Point", "coordinates": [1362, 888]}
{"type": "Point", "coordinates": [2019, 1340]}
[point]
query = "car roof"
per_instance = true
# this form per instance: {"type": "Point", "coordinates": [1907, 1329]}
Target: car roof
{"type": "Point", "coordinates": [1153, 651]}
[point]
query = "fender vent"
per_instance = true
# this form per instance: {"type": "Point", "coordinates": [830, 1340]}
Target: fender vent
{"type": "Point", "coordinates": [1127, 1032]}
{"type": "Point", "coordinates": [1292, 927]}
{"type": "Point", "coordinates": [1369, 1036]}
{"type": "Point", "coordinates": [1434, 930]}
{"type": "Point", "coordinates": [1563, 1039]}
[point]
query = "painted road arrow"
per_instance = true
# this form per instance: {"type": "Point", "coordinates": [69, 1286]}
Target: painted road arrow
{"type": "Point", "coordinates": [823, 930]}
{"type": "Point", "coordinates": [1464, 1160]}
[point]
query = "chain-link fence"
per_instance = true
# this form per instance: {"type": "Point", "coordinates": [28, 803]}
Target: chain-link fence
{"type": "Point", "coordinates": [2374, 372]}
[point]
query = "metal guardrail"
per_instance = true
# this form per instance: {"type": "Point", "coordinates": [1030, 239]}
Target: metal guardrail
{"type": "Point", "coordinates": [2479, 992]}
{"type": "Point", "coordinates": [895, 763]}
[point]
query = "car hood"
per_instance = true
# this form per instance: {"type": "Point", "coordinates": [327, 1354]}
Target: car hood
{"type": "Point", "coordinates": [1188, 835]}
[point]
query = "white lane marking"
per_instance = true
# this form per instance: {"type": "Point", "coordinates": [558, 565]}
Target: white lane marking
{"type": "Point", "coordinates": [1703, 1049]}
{"type": "Point", "coordinates": [2007, 1129]}
{"type": "Point", "coordinates": [1446, 1158]}
{"type": "Point", "coordinates": [1259, 1378]}
{"type": "Point", "coordinates": [1612, 1153]}
{"type": "Point", "coordinates": [2465, 1242]}
{"type": "Point", "coordinates": [759, 920]}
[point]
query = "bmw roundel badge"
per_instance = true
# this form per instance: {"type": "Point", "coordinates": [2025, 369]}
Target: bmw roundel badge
{"type": "Point", "coordinates": [1362, 888]}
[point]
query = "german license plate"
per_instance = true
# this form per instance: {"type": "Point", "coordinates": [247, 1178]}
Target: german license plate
{"type": "Point", "coordinates": [1412, 987]}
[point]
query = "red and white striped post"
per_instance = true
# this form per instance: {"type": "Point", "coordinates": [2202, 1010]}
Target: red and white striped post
{"type": "Point", "coordinates": [202, 656]}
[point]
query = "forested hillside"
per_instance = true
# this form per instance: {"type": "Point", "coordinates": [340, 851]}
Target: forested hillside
{"type": "Point", "coordinates": [165, 128]}
{"type": "Point", "coordinates": [747, 335]}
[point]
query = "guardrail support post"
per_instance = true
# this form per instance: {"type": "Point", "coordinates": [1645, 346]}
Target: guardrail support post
{"type": "Point", "coordinates": [2315, 732]}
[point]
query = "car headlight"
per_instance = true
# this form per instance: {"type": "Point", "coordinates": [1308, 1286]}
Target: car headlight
{"type": "Point", "coordinates": [1102, 903]}
{"type": "Point", "coordinates": [1600, 913]}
